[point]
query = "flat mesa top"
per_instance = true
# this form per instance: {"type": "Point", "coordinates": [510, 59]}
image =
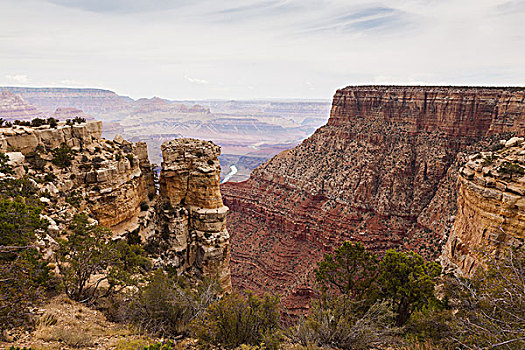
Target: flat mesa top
{"type": "Point", "coordinates": [434, 88]}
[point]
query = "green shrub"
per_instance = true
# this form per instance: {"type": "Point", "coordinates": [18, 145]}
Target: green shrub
{"type": "Point", "coordinates": [165, 345]}
{"type": "Point", "coordinates": [350, 271]}
{"type": "Point", "coordinates": [36, 122]}
{"type": "Point", "coordinates": [408, 281]}
{"type": "Point", "coordinates": [20, 188]}
{"type": "Point", "coordinates": [62, 156]}
{"type": "Point", "coordinates": [52, 122]}
{"type": "Point", "coordinates": [166, 307]}
{"type": "Point", "coordinates": [336, 322]}
{"type": "Point", "coordinates": [235, 320]}
{"type": "Point", "coordinates": [489, 159]}
{"type": "Point", "coordinates": [4, 167]}
{"type": "Point", "coordinates": [74, 198]}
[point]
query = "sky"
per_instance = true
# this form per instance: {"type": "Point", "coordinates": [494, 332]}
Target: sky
{"type": "Point", "coordinates": [249, 49]}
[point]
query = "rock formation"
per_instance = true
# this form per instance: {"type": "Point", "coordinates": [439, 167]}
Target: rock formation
{"type": "Point", "coordinates": [107, 177]}
{"type": "Point", "coordinates": [491, 206]}
{"type": "Point", "coordinates": [75, 170]}
{"type": "Point", "coordinates": [382, 171]}
{"type": "Point", "coordinates": [191, 215]}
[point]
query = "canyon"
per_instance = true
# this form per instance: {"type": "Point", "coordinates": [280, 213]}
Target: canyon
{"type": "Point", "coordinates": [411, 168]}
{"type": "Point", "coordinates": [249, 132]}
{"type": "Point", "coordinates": [382, 171]}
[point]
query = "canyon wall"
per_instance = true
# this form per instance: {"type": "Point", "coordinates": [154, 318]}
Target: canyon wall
{"type": "Point", "coordinates": [13, 107]}
{"type": "Point", "coordinates": [491, 207]}
{"type": "Point", "coordinates": [382, 171]}
{"type": "Point", "coordinates": [91, 101]}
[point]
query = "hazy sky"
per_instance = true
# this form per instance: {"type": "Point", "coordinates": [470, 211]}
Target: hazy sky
{"type": "Point", "coordinates": [197, 49]}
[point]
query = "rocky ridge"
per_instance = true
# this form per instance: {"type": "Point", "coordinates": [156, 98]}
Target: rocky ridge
{"type": "Point", "coordinates": [491, 206]}
{"type": "Point", "coordinates": [382, 171]}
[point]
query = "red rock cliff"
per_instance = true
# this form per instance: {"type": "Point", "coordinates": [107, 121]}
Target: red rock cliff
{"type": "Point", "coordinates": [382, 171]}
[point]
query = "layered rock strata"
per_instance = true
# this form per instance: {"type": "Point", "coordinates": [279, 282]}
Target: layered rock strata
{"type": "Point", "coordinates": [192, 217]}
{"type": "Point", "coordinates": [382, 171]}
{"type": "Point", "coordinates": [71, 113]}
{"type": "Point", "coordinates": [491, 207]}
{"type": "Point", "coordinates": [13, 107]}
{"type": "Point", "coordinates": [91, 101]}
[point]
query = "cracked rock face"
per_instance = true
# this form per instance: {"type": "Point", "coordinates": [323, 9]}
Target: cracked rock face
{"type": "Point", "coordinates": [491, 206]}
{"type": "Point", "coordinates": [191, 215]}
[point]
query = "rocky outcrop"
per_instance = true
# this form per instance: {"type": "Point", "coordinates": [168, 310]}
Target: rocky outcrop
{"type": "Point", "coordinates": [491, 207]}
{"type": "Point", "coordinates": [26, 139]}
{"type": "Point", "coordinates": [109, 179]}
{"type": "Point", "coordinates": [13, 107]}
{"type": "Point", "coordinates": [382, 171]}
{"type": "Point", "coordinates": [191, 216]}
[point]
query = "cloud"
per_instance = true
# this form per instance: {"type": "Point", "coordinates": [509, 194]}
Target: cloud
{"type": "Point", "coordinates": [182, 49]}
{"type": "Point", "coordinates": [121, 6]}
{"type": "Point", "coordinates": [17, 78]}
{"type": "Point", "coordinates": [196, 81]}
{"type": "Point", "coordinates": [365, 19]}
{"type": "Point", "coordinates": [512, 7]}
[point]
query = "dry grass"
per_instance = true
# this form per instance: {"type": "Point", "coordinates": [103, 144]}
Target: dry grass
{"type": "Point", "coordinates": [65, 324]}
{"type": "Point", "coordinates": [69, 336]}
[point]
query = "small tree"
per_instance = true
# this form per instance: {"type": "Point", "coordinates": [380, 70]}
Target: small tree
{"type": "Point", "coordinates": [347, 315]}
{"type": "Point", "coordinates": [23, 273]}
{"type": "Point", "coordinates": [52, 122]}
{"type": "Point", "coordinates": [408, 281]}
{"type": "Point", "coordinates": [87, 252]}
{"type": "Point", "coordinates": [351, 270]}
